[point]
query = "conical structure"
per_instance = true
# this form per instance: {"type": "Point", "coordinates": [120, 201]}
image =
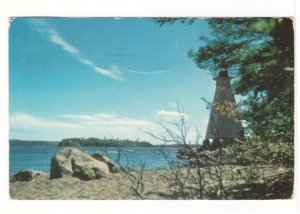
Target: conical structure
{"type": "Point", "coordinates": [223, 123]}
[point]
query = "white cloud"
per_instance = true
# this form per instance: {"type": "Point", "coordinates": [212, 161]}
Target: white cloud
{"type": "Point", "coordinates": [23, 120]}
{"type": "Point", "coordinates": [103, 119]}
{"type": "Point", "coordinates": [26, 126]}
{"type": "Point", "coordinates": [121, 122]}
{"type": "Point", "coordinates": [195, 129]}
{"type": "Point", "coordinates": [149, 72]}
{"type": "Point", "coordinates": [86, 61]}
{"type": "Point", "coordinates": [79, 117]}
{"type": "Point", "coordinates": [57, 39]}
{"type": "Point", "coordinates": [104, 115]}
{"type": "Point", "coordinates": [85, 117]}
{"type": "Point", "coordinates": [54, 37]}
{"type": "Point", "coordinates": [30, 127]}
{"type": "Point", "coordinates": [114, 73]}
{"type": "Point", "coordinates": [170, 114]}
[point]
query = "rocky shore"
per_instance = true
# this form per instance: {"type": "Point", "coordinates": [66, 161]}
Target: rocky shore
{"type": "Point", "coordinates": [76, 175]}
{"type": "Point", "coordinates": [115, 187]}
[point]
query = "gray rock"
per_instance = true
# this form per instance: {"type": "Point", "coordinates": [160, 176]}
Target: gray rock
{"type": "Point", "coordinates": [29, 176]}
{"type": "Point", "coordinates": [71, 161]}
{"type": "Point", "coordinates": [113, 166]}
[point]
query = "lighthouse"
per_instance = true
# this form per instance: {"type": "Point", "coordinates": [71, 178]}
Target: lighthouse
{"type": "Point", "coordinates": [223, 122]}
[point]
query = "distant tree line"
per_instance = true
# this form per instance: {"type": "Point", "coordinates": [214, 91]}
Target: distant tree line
{"type": "Point", "coordinates": [32, 143]}
{"type": "Point", "coordinates": [104, 142]}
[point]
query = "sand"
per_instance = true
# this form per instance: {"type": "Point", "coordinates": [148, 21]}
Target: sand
{"type": "Point", "coordinates": [158, 184]}
{"type": "Point", "coordinates": [115, 187]}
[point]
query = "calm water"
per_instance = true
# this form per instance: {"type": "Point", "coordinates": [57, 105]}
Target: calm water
{"type": "Point", "coordinates": [39, 157]}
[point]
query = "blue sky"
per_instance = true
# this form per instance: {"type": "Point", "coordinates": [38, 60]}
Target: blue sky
{"type": "Point", "coordinates": [103, 77]}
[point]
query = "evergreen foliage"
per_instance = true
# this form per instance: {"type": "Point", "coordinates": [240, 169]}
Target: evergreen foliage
{"type": "Point", "coordinates": [259, 53]}
{"type": "Point", "coordinates": [97, 142]}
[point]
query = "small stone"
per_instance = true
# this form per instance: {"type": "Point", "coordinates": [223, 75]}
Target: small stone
{"type": "Point", "coordinates": [29, 176]}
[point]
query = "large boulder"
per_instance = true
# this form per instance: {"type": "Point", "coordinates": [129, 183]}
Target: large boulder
{"type": "Point", "coordinates": [113, 166]}
{"type": "Point", "coordinates": [29, 176]}
{"type": "Point", "coordinates": [71, 161]}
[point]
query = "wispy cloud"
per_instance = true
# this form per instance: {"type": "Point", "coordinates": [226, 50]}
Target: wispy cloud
{"type": "Point", "coordinates": [24, 120]}
{"type": "Point", "coordinates": [27, 126]}
{"type": "Point", "coordinates": [170, 114]}
{"type": "Point", "coordinates": [57, 39]}
{"type": "Point", "coordinates": [104, 115]}
{"type": "Point", "coordinates": [171, 121]}
{"type": "Point", "coordinates": [152, 72]}
{"type": "Point", "coordinates": [84, 117]}
{"type": "Point", "coordinates": [103, 119]}
{"type": "Point", "coordinates": [53, 36]}
{"type": "Point", "coordinates": [113, 71]}
{"type": "Point", "coordinates": [149, 72]}
{"type": "Point", "coordinates": [79, 117]}
{"type": "Point", "coordinates": [86, 61]}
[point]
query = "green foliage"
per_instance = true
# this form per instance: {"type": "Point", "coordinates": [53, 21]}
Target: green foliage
{"type": "Point", "coordinates": [163, 20]}
{"type": "Point", "coordinates": [254, 151]}
{"type": "Point", "coordinates": [227, 109]}
{"type": "Point", "coordinates": [259, 53]}
{"type": "Point", "coordinates": [244, 167]}
{"type": "Point", "coordinates": [253, 168]}
{"type": "Point", "coordinates": [32, 143]}
{"type": "Point", "coordinates": [260, 152]}
{"type": "Point", "coordinates": [102, 142]}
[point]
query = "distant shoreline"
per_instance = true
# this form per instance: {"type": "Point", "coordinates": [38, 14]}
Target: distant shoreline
{"type": "Point", "coordinates": [56, 143]}
{"type": "Point", "coordinates": [33, 142]}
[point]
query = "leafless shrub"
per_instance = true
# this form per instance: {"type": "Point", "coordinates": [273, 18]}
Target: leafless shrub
{"type": "Point", "coordinates": [135, 176]}
{"type": "Point", "coordinates": [188, 181]}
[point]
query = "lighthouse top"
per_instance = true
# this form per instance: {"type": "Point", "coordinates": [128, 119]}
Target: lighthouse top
{"type": "Point", "coordinates": [223, 75]}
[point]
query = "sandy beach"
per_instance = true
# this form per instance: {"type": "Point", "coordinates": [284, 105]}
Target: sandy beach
{"type": "Point", "coordinates": [158, 184]}
{"type": "Point", "coordinates": [115, 187]}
